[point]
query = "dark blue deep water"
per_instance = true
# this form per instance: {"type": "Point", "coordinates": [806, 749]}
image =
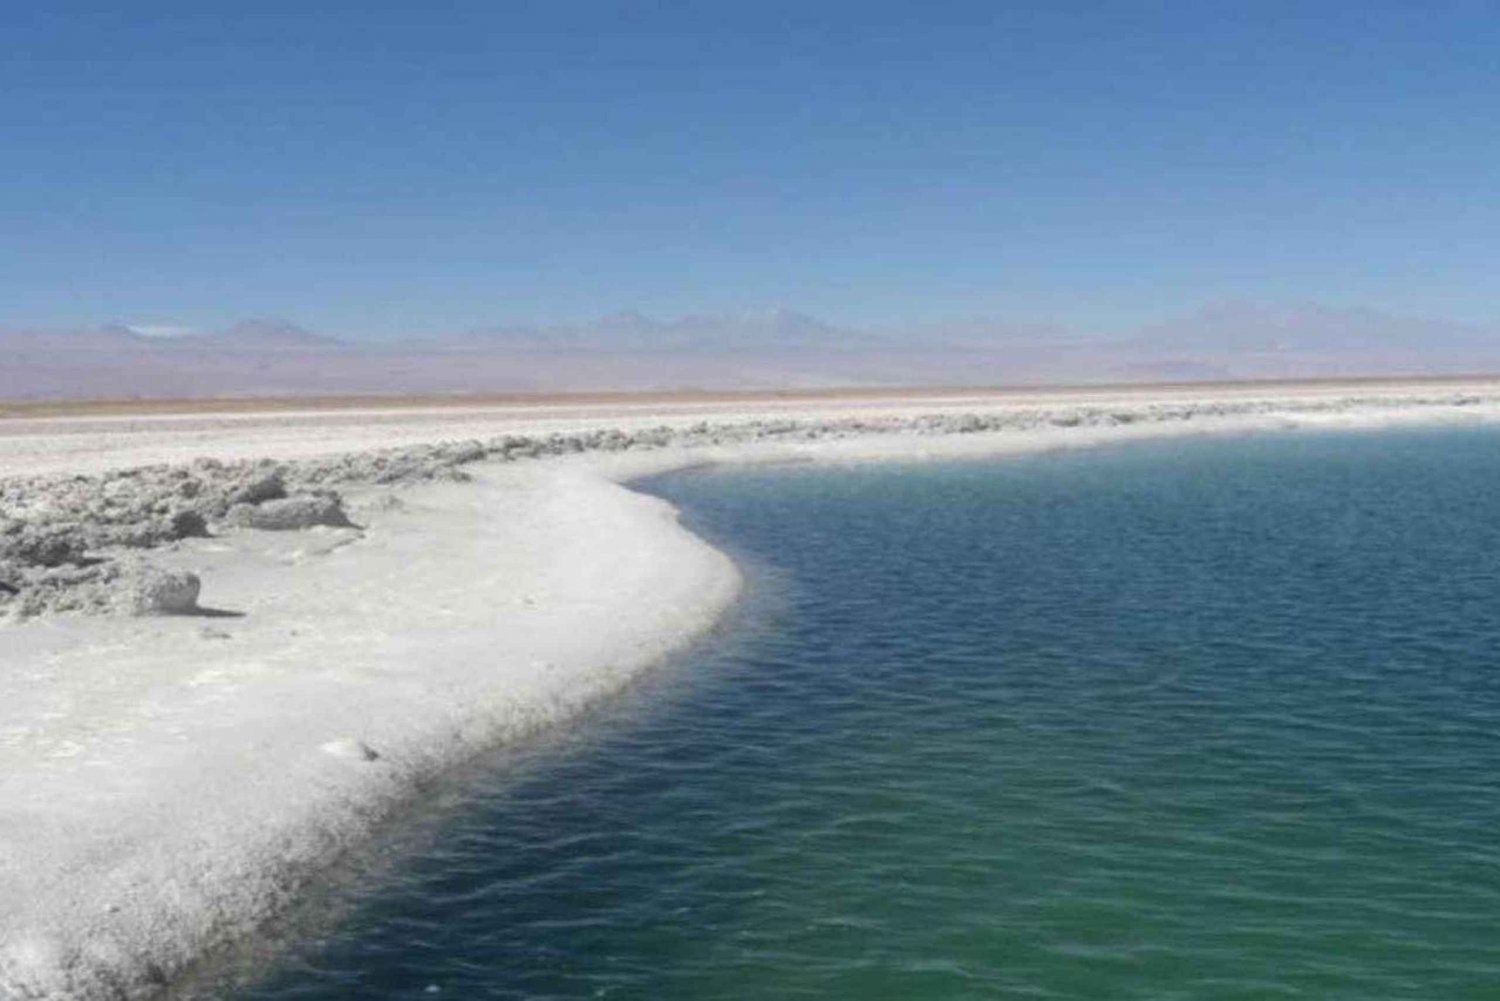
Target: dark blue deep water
{"type": "Point", "coordinates": [1203, 719]}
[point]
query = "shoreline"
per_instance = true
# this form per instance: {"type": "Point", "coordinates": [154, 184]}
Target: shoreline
{"type": "Point", "coordinates": [167, 784]}
{"type": "Point", "coordinates": [196, 772]}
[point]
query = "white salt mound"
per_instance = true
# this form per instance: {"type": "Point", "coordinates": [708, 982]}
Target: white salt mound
{"type": "Point", "coordinates": [161, 592]}
{"type": "Point", "coordinates": [289, 514]}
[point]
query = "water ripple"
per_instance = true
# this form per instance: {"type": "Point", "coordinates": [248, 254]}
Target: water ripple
{"type": "Point", "coordinates": [1195, 720]}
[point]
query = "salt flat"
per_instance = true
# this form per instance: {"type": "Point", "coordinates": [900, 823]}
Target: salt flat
{"type": "Point", "coordinates": [168, 784]}
{"type": "Point", "coordinates": [82, 437]}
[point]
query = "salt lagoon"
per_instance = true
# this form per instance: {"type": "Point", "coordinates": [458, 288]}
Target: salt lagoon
{"type": "Point", "coordinates": [172, 784]}
{"type": "Point", "coordinates": [1208, 719]}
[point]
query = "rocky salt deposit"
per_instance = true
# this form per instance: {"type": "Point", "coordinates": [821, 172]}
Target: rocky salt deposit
{"type": "Point", "coordinates": [73, 543]}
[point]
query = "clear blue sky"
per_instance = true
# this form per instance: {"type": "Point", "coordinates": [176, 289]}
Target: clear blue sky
{"type": "Point", "coordinates": [376, 168]}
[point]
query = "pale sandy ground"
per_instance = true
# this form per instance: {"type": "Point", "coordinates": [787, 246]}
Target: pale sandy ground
{"type": "Point", "coordinates": [167, 785]}
{"type": "Point", "coordinates": [84, 442]}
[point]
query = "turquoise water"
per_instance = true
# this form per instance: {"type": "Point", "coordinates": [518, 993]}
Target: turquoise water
{"type": "Point", "coordinates": [1207, 719]}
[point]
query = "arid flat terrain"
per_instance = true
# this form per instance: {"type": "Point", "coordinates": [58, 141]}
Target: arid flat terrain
{"type": "Point", "coordinates": [126, 407]}
{"type": "Point", "coordinates": [89, 436]}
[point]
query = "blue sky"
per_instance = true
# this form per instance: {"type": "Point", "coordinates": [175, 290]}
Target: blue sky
{"type": "Point", "coordinates": [376, 169]}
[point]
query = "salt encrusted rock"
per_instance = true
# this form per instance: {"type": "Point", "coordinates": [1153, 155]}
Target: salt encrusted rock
{"type": "Point", "coordinates": [260, 487]}
{"type": "Point", "coordinates": [412, 464]}
{"type": "Point", "coordinates": [147, 534]}
{"type": "Point", "coordinates": [290, 513]}
{"type": "Point", "coordinates": [44, 545]}
{"type": "Point", "coordinates": [188, 524]}
{"type": "Point", "coordinates": [150, 591]}
{"type": "Point", "coordinates": [86, 588]}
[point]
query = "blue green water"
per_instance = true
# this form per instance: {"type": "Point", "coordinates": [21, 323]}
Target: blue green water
{"type": "Point", "coordinates": [1206, 719]}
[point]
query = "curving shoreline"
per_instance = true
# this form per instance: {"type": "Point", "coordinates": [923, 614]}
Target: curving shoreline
{"type": "Point", "coordinates": [167, 783]}
{"type": "Point", "coordinates": [185, 776]}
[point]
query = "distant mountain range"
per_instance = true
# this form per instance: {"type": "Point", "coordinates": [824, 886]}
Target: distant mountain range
{"type": "Point", "coordinates": [247, 335]}
{"type": "Point", "coordinates": [743, 333]}
{"type": "Point", "coordinates": [772, 348]}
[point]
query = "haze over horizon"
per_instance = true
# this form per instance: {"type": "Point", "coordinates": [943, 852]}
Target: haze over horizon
{"type": "Point", "coordinates": [376, 171]}
{"type": "Point", "coordinates": [764, 349]}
